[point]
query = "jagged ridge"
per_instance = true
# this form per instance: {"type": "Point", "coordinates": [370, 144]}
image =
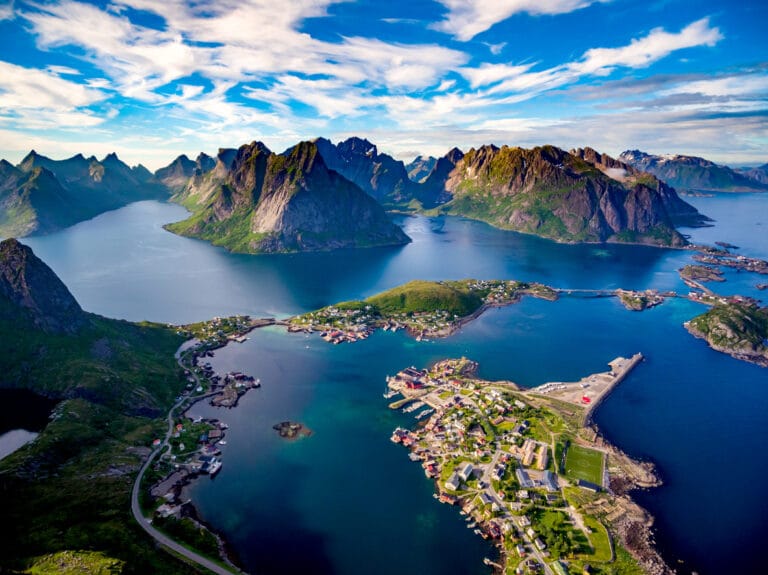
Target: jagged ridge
{"type": "Point", "coordinates": [550, 192]}
{"type": "Point", "coordinates": [258, 201]}
{"type": "Point", "coordinates": [692, 173]}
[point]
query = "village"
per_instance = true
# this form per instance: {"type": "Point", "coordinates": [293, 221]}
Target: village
{"type": "Point", "coordinates": [357, 320]}
{"type": "Point", "coordinates": [523, 466]}
{"type": "Point", "coordinates": [193, 447]}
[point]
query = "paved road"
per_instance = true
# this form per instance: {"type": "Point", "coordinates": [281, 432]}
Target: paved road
{"type": "Point", "coordinates": [146, 524]}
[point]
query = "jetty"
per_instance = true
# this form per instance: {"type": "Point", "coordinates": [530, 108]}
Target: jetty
{"type": "Point", "coordinates": [590, 391]}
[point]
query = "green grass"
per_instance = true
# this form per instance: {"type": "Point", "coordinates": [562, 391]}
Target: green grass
{"type": "Point", "coordinates": [75, 563]}
{"type": "Point", "coordinates": [734, 326]}
{"type": "Point", "coordinates": [69, 490]}
{"type": "Point", "coordinates": [584, 463]}
{"type": "Point", "coordinates": [424, 296]}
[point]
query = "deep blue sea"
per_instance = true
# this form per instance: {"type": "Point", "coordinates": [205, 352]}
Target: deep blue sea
{"type": "Point", "coordinates": [346, 500]}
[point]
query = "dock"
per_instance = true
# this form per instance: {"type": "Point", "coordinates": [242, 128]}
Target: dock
{"type": "Point", "coordinates": [590, 391]}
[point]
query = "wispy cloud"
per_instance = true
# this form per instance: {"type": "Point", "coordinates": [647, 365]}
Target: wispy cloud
{"type": "Point", "coordinates": [38, 98]}
{"type": "Point", "coordinates": [522, 80]}
{"type": "Point", "coordinates": [6, 10]}
{"type": "Point", "coordinates": [468, 18]}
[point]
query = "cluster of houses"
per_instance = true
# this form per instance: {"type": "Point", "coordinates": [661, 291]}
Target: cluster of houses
{"type": "Point", "coordinates": [481, 459]}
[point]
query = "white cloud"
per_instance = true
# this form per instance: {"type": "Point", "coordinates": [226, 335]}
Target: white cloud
{"type": "Point", "coordinates": [468, 18]}
{"type": "Point", "coordinates": [643, 52]}
{"type": "Point", "coordinates": [520, 82]}
{"type": "Point", "coordinates": [742, 85]}
{"type": "Point", "coordinates": [40, 97]}
{"type": "Point", "coordinates": [6, 10]}
{"type": "Point", "coordinates": [496, 48]}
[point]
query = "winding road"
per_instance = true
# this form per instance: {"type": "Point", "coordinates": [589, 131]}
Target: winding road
{"type": "Point", "coordinates": [145, 523]}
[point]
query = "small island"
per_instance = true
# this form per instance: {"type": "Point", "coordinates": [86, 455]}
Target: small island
{"type": "Point", "coordinates": [639, 300]}
{"type": "Point", "coordinates": [701, 273]}
{"type": "Point", "coordinates": [528, 468]}
{"type": "Point", "coordinates": [291, 430]}
{"type": "Point", "coordinates": [738, 328]}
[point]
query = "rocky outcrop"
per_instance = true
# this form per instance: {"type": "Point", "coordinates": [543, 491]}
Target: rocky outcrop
{"type": "Point", "coordinates": [31, 289]}
{"type": "Point", "coordinates": [692, 173]}
{"type": "Point", "coordinates": [267, 202]}
{"type": "Point", "coordinates": [550, 192]}
{"type": "Point", "coordinates": [420, 168]}
{"type": "Point", "coordinates": [175, 176]}
{"type": "Point", "coordinates": [359, 161]}
{"type": "Point", "coordinates": [739, 329]}
{"type": "Point", "coordinates": [680, 212]}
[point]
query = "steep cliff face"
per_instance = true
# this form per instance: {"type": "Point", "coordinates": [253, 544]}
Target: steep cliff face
{"type": "Point", "coordinates": [42, 195]}
{"type": "Point", "coordinates": [359, 161]}
{"type": "Point", "coordinates": [680, 212]}
{"type": "Point", "coordinates": [29, 288]}
{"type": "Point", "coordinates": [692, 173]}
{"type": "Point", "coordinates": [759, 174]}
{"type": "Point", "coordinates": [175, 176]}
{"type": "Point", "coordinates": [420, 168]}
{"type": "Point", "coordinates": [288, 202]}
{"type": "Point", "coordinates": [549, 192]}
{"type": "Point", "coordinates": [432, 191]}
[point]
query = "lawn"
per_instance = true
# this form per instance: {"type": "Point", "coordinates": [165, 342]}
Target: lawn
{"type": "Point", "coordinates": [584, 463]}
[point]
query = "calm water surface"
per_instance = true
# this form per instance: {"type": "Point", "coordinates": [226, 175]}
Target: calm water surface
{"type": "Point", "coordinates": [346, 500]}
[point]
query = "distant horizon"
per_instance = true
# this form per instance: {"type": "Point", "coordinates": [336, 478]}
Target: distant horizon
{"type": "Point", "coordinates": [16, 159]}
{"type": "Point", "coordinates": [152, 80]}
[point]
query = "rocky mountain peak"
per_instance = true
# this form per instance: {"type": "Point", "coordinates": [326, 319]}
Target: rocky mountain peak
{"type": "Point", "coordinates": [29, 286]}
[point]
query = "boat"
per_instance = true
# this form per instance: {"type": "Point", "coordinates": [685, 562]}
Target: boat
{"type": "Point", "coordinates": [222, 442]}
{"type": "Point", "coordinates": [214, 468]}
{"type": "Point", "coordinates": [390, 393]}
{"type": "Point", "coordinates": [413, 457]}
{"type": "Point", "coordinates": [425, 412]}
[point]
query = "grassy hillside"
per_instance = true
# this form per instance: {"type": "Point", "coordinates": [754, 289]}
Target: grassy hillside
{"type": "Point", "coordinates": [736, 328]}
{"type": "Point", "coordinates": [125, 366]}
{"type": "Point", "coordinates": [424, 296]}
{"type": "Point", "coordinates": [69, 490]}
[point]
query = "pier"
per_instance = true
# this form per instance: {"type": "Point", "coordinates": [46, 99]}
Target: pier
{"type": "Point", "coordinates": [590, 391]}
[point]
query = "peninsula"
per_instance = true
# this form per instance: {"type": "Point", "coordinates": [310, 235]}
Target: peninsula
{"type": "Point", "coordinates": [528, 469]}
{"type": "Point", "coordinates": [736, 327]}
{"type": "Point", "coordinates": [423, 308]}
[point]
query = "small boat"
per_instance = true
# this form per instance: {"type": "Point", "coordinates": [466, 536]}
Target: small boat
{"type": "Point", "coordinates": [215, 467]}
{"type": "Point", "coordinates": [222, 442]}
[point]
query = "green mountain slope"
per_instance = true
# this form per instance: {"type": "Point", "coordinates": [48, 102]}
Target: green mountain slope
{"type": "Point", "coordinates": [70, 488]}
{"type": "Point", "coordinates": [264, 202]}
{"type": "Point", "coordinates": [559, 195]}
{"type": "Point", "coordinates": [42, 195]}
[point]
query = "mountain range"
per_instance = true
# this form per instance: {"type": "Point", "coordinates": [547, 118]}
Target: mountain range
{"type": "Point", "coordinates": [41, 195]}
{"type": "Point", "coordinates": [318, 195]}
{"type": "Point", "coordinates": [691, 173]}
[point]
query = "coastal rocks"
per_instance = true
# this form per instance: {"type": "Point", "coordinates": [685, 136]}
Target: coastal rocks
{"type": "Point", "coordinates": [291, 430]}
{"type": "Point", "coordinates": [739, 329]}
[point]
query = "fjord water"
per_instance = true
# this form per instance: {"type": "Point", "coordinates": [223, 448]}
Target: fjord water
{"type": "Point", "coordinates": [346, 500]}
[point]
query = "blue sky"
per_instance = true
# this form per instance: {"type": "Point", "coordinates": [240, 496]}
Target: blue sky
{"type": "Point", "coordinates": [151, 79]}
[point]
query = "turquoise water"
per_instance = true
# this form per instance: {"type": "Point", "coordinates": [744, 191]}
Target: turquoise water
{"type": "Point", "coordinates": [346, 500]}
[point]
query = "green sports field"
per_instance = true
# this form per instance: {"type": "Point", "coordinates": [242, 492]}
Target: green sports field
{"type": "Point", "coordinates": [584, 463]}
